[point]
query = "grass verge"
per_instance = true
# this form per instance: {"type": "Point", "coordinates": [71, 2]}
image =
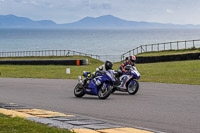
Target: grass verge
{"type": "Point", "coordinates": [47, 71]}
{"type": "Point", "coordinates": [170, 52]}
{"type": "Point", "coordinates": [180, 72]}
{"type": "Point", "coordinates": [21, 125]}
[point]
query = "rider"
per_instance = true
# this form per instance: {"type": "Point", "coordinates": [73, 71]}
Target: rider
{"type": "Point", "coordinates": [129, 61]}
{"type": "Point", "coordinates": [105, 67]}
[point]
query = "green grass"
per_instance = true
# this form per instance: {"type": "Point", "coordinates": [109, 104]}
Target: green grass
{"type": "Point", "coordinates": [21, 125]}
{"type": "Point", "coordinates": [44, 71]}
{"type": "Point", "coordinates": [181, 72]}
{"type": "Point", "coordinates": [48, 71]}
{"type": "Point", "coordinates": [170, 52]}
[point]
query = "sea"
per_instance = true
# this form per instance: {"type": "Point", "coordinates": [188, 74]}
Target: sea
{"type": "Point", "coordinates": [93, 41]}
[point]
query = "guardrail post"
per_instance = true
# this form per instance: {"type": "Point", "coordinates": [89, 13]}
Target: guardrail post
{"type": "Point", "coordinates": [164, 46]}
{"type": "Point", "coordinates": [185, 45]}
{"type": "Point", "coordinates": [177, 45]}
{"type": "Point", "coordinates": [193, 44]}
{"type": "Point", "coordinates": [146, 47]}
{"type": "Point", "coordinates": [170, 45]}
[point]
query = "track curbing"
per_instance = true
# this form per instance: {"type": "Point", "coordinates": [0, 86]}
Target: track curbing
{"type": "Point", "coordinates": [71, 122]}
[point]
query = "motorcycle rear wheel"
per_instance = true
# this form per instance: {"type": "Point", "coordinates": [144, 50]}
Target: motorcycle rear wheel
{"type": "Point", "coordinates": [133, 89]}
{"type": "Point", "coordinates": [79, 90]}
{"type": "Point", "coordinates": [104, 93]}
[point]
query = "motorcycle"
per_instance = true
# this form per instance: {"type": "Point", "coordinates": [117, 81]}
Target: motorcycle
{"type": "Point", "coordinates": [100, 85]}
{"type": "Point", "coordinates": [127, 82]}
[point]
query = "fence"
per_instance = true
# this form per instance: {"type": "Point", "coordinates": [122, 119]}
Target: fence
{"type": "Point", "coordinates": [46, 53]}
{"type": "Point", "coordinates": [163, 46]}
{"type": "Point", "coordinates": [114, 58]}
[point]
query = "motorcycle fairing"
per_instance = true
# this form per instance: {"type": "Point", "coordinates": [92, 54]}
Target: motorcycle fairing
{"type": "Point", "coordinates": [92, 88]}
{"type": "Point", "coordinates": [124, 79]}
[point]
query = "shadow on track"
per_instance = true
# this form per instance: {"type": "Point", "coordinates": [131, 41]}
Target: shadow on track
{"type": "Point", "coordinates": [90, 98]}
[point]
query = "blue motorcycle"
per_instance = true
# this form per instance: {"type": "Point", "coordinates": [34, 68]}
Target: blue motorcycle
{"type": "Point", "coordinates": [100, 85]}
{"type": "Point", "coordinates": [127, 82]}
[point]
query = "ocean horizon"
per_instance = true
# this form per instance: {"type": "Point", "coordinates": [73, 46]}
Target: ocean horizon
{"type": "Point", "coordinates": [91, 41]}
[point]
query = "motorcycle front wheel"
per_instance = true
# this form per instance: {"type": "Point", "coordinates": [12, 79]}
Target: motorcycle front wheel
{"type": "Point", "coordinates": [104, 91]}
{"type": "Point", "coordinates": [79, 90]}
{"type": "Point", "coordinates": [133, 88]}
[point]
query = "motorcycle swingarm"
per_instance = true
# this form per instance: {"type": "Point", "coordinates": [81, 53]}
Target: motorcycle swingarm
{"type": "Point", "coordinates": [121, 89]}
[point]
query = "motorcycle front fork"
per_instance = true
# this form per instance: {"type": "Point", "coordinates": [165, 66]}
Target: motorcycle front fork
{"type": "Point", "coordinates": [103, 87]}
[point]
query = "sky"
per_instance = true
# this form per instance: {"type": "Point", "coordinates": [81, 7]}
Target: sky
{"type": "Point", "coordinates": [66, 11]}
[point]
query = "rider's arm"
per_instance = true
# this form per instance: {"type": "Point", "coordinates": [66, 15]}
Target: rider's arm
{"type": "Point", "coordinates": [123, 67]}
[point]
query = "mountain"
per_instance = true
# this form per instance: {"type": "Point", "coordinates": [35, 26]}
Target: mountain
{"type": "Point", "coordinates": [12, 21]}
{"type": "Point", "coordinates": [106, 21]}
{"type": "Point", "coordinates": [109, 21]}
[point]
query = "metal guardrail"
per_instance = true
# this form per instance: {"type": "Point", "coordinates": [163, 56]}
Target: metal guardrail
{"type": "Point", "coordinates": [162, 46]}
{"type": "Point", "coordinates": [114, 58]}
{"type": "Point", "coordinates": [46, 53]}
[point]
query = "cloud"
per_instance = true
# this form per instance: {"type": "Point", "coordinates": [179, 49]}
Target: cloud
{"type": "Point", "coordinates": [96, 4]}
{"type": "Point", "coordinates": [169, 11]}
{"type": "Point", "coordinates": [34, 2]}
{"type": "Point", "coordinates": [64, 11]}
{"type": "Point", "coordinates": [27, 2]}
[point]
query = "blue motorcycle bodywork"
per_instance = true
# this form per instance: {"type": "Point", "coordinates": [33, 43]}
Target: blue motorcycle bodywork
{"type": "Point", "coordinates": [94, 84]}
{"type": "Point", "coordinates": [133, 74]}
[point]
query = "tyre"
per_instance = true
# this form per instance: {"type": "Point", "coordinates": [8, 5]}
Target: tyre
{"type": "Point", "coordinates": [79, 90]}
{"type": "Point", "coordinates": [133, 88]}
{"type": "Point", "coordinates": [104, 93]}
{"type": "Point", "coordinates": [113, 90]}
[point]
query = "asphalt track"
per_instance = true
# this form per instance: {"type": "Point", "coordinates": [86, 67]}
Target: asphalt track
{"type": "Point", "coordinates": [171, 108]}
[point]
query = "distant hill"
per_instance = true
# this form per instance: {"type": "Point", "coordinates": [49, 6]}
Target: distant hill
{"type": "Point", "coordinates": [12, 21]}
{"type": "Point", "coordinates": [106, 21]}
{"type": "Point", "coordinates": [109, 21]}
